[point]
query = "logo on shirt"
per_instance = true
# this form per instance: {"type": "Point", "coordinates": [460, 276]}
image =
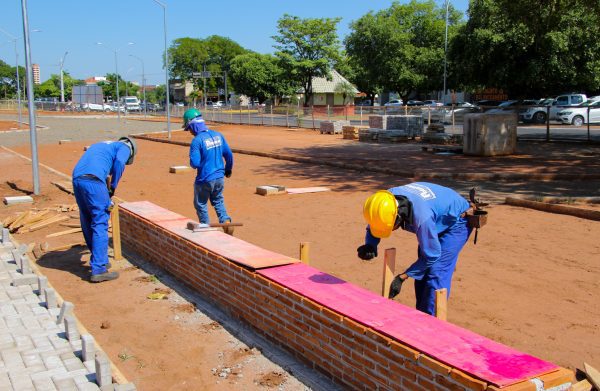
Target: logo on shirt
{"type": "Point", "coordinates": [213, 142]}
{"type": "Point", "coordinates": [422, 191]}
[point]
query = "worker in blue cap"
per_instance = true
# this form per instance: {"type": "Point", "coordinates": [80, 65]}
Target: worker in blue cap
{"type": "Point", "coordinates": [95, 179]}
{"type": "Point", "coordinates": [211, 156]}
{"type": "Point", "coordinates": [437, 215]}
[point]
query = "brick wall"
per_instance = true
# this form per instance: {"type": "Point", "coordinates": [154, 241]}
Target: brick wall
{"type": "Point", "coordinates": [350, 353]}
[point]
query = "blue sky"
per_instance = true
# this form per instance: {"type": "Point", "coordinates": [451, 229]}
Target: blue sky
{"type": "Point", "coordinates": [77, 25]}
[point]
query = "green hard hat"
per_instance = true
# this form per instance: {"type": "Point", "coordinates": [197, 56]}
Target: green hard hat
{"type": "Point", "coordinates": [189, 115]}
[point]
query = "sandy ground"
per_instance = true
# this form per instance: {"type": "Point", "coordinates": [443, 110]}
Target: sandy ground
{"type": "Point", "coordinates": [531, 281]}
{"type": "Point", "coordinates": [10, 125]}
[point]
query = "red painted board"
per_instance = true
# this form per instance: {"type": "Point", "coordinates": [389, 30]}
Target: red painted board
{"type": "Point", "coordinates": [460, 348]}
{"type": "Point", "coordinates": [218, 242]}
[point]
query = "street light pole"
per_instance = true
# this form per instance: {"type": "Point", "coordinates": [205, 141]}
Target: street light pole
{"type": "Point", "coordinates": [117, 76]}
{"type": "Point", "coordinates": [30, 103]}
{"type": "Point", "coordinates": [18, 84]}
{"type": "Point", "coordinates": [446, 50]}
{"type": "Point", "coordinates": [143, 84]}
{"type": "Point", "coordinates": [164, 7]}
{"type": "Point", "coordinates": [62, 85]}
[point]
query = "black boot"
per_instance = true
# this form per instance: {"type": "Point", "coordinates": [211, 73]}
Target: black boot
{"type": "Point", "coordinates": [104, 277]}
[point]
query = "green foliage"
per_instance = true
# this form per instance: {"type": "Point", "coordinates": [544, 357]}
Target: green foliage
{"type": "Point", "coordinates": [529, 49]}
{"type": "Point", "coordinates": [51, 87]}
{"type": "Point", "coordinates": [259, 76]}
{"type": "Point", "coordinates": [307, 48]}
{"type": "Point", "coordinates": [157, 95]}
{"type": "Point", "coordinates": [400, 48]}
{"type": "Point", "coordinates": [8, 80]}
{"type": "Point", "coordinates": [347, 91]}
{"type": "Point", "coordinates": [109, 88]}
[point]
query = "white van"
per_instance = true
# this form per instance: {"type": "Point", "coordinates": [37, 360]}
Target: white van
{"type": "Point", "coordinates": [131, 103]}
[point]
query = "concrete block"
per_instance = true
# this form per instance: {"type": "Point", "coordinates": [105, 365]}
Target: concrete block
{"type": "Point", "coordinates": [42, 284]}
{"type": "Point", "coordinates": [88, 347]}
{"type": "Point", "coordinates": [332, 127]}
{"type": "Point", "coordinates": [65, 310]}
{"type": "Point", "coordinates": [50, 297]}
{"type": "Point", "coordinates": [25, 279]}
{"type": "Point", "coordinates": [64, 383]}
{"type": "Point", "coordinates": [71, 328]}
{"type": "Point", "coordinates": [490, 134]}
{"type": "Point", "coordinates": [179, 169]}
{"type": "Point", "coordinates": [125, 387]}
{"type": "Point", "coordinates": [270, 190]}
{"type": "Point", "coordinates": [24, 264]}
{"type": "Point", "coordinates": [5, 236]}
{"type": "Point", "coordinates": [18, 200]}
{"type": "Point", "coordinates": [65, 141]}
{"type": "Point", "coordinates": [103, 373]}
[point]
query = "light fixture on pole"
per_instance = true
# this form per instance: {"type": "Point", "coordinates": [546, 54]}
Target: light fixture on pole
{"type": "Point", "coordinates": [14, 40]}
{"type": "Point", "coordinates": [127, 89]}
{"type": "Point", "coordinates": [164, 7]}
{"type": "Point", "coordinates": [143, 84]}
{"type": "Point", "coordinates": [30, 103]}
{"type": "Point", "coordinates": [445, 51]}
{"type": "Point", "coordinates": [116, 75]}
{"type": "Point", "coordinates": [62, 84]}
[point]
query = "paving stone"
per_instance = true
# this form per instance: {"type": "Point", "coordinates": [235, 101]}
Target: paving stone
{"type": "Point", "coordinates": [65, 310]}
{"type": "Point", "coordinates": [88, 348]}
{"type": "Point", "coordinates": [103, 375]}
{"type": "Point", "coordinates": [44, 384]}
{"type": "Point", "coordinates": [26, 279]}
{"type": "Point", "coordinates": [71, 328]}
{"type": "Point", "coordinates": [64, 383]}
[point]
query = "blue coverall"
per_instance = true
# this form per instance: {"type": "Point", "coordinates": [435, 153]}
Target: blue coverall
{"type": "Point", "coordinates": [91, 193]}
{"type": "Point", "coordinates": [442, 231]}
{"type": "Point", "coordinates": [207, 151]}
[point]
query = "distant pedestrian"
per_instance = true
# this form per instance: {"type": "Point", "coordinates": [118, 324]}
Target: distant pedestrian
{"type": "Point", "coordinates": [438, 216]}
{"type": "Point", "coordinates": [211, 156]}
{"type": "Point", "coordinates": [95, 179]}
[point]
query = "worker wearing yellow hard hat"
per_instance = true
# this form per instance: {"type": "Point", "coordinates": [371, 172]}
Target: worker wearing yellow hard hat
{"type": "Point", "coordinates": [437, 216]}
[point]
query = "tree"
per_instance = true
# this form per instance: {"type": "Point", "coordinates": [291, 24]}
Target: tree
{"type": "Point", "coordinates": [346, 89]}
{"type": "Point", "coordinates": [259, 76]}
{"type": "Point", "coordinates": [307, 48]}
{"type": "Point", "coordinates": [51, 87]}
{"type": "Point", "coordinates": [529, 50]}
{"type": "Point", "coordinates": [109, 87]}
{"type": "Point", "coordinates": [187, 55]}
{"type": "Point", "coordinates": [8, 79]}
{"type": "Point", "coordinates": [401, 48]}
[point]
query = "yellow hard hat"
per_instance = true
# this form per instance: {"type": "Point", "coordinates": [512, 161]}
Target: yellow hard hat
{"type": "Point", "coordinates": [380, 211]}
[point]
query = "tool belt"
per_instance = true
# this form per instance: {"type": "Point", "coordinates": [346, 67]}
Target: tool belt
{"type": "Point", "coordinates": [477, 218]}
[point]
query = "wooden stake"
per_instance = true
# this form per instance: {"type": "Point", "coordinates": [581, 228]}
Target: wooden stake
{"type": "Point", "coordinates": [44, 223]}
{"type": "Point", "coordinates": [116, 233]}
{"type": "Point", "coordinates": [304, 249]}
{"type": "Point", "coordinates": [389, 270]}
{"type": "Point", "coordinates": [583, 385]}
{"type": "Point", "coordinates": [592, 374]}
{"type": "Point", "coordinates": [441, 303]}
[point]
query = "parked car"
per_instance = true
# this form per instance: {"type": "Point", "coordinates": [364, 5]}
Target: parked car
{"type": "Point", "coordinates": [114, 107]}
{"type": "Point", "coordinates": [131, 103]}
{"type": "Point", "coordinates": [95, 107]}
{"type": "Point", "coordinates": [414, 103]}
{"type": "Point", "coordinates": [218, 104]}
{"type": "Point", "coordinates": [578, 115]}
{"type": "Point", "coordinates": [446, 113]}
{"type": "Point", "coordinates": [394, 102]}
{"type": "Point", "coordinates": [539, 112]}
{"type": "Point", "coordinates": [513, 106]}
{"type": "Point", "coordinates": [432, 103]}
{"type": "Point", "coordinates": [366, 102]}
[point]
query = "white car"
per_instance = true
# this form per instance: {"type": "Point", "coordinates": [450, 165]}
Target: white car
{"type": "Point", "coordinates": [577, 116]}
{"type": "Point", "coordinates": [432, 103]}
{"type": "Point", "coordinates": [539, 113]}
{"type": "Point", "coordinates": [394, 102]}
{"type": "Point", "coordinates": [95, 107]}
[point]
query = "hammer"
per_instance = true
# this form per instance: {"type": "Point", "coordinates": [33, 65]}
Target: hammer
{"type": "Point", "coordinates": [41, 248]}
{"type": "Point", "coordinates": [227, 227]}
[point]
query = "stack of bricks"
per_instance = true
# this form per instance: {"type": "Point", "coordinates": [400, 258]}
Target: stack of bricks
{"type": "Point", "coordinates": [350, 132]}
{"type": "Point", "coordinates": [350, 353]}
{"type": "Point", "coordinates": [332, 127]}
{"type": "Point", "coordinates": [412, 125]}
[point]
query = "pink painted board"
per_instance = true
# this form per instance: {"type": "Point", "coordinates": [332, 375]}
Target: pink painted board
{"type": "Point", "coordinates": [302, 190]}
{"type": "Point", "coordinates": [460, 348]}
{"type": "Point", "coordinates": [227, 246]}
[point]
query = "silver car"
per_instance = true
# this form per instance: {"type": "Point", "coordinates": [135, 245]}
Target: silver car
{"type": "Point", "coordinates": [578, 115]}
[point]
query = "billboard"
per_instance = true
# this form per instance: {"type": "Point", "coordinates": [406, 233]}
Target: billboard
{"type": "Point", "coordinates": [87, 94]}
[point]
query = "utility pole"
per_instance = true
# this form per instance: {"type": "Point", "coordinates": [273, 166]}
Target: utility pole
{"type": "Point", "coordinates": [164, 7]}
{"type": "Point", "coordinates": [445, 50]}
{"type": "Point", "coordinates": [62, 85]}
{"type": "Point", "coordinates": [143, 84]}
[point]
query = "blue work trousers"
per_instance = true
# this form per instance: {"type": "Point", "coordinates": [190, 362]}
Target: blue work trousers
{"type": "Point", "coordinates": [439, 275]}
{"type": "Point", "coordinates": [93, 201]}
{"type": "Point", "coordinates": [213, 191]}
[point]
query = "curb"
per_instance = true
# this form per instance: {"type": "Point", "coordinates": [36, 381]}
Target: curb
{"type": "Point", "coordinates": [554, 208]}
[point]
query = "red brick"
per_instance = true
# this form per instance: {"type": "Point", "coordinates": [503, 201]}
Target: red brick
{"type": "Point", "coordinates": [522, 386]}
{"type": "Point", "coordinates": [361, 360]}
{"type": "Point", "coordinates": [311, 305]}
{"type": "Point", "coordinates": [468, 381]}
{"type": "Point", "coordinates": [354, 326]}
{"type": "Point", "coordinates": [404, 350]}
{"type": "Point", "coordinates": [398, 372]}
{"type": "Point", "coordinates": [557, 378]}
{"type": "Point", "coordinates": [447, 383]}
{"type": "Point", "coordinates": [378, 338]}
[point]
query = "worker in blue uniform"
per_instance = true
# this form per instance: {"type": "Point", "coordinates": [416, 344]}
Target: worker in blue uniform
{"type": "Point", "coordinates": [437, 215]}
{"type": "Point", "coordinates": [211, 156]}
{"type": "Point", "coordinates": [95, 179]}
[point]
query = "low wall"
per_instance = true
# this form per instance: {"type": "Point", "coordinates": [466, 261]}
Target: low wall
{"type": "Point", "coordinates": [349, 348]}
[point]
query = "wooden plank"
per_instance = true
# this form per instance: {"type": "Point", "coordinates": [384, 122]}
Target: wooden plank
{"type": "Point", "coordinates": [304, 251]}
{"type": "Point", "coordinates": [441, 303]}
{"type": "Point", "coordinates": [45, 223]}
{"type": "Point", "coordinates": [35, 218]}
{"type": "Point", "coordinates": [583, 385]}
{"type": "Point", "coordinates": [555, 208]}
{"type": "Point", "coordinates": [17, 222]}
{"type": "Point", "coordinates": [71, 225]}
{"type": "Point", "coordinates": [18, 200]}
{"type": "Point", "coordinates": [592, 374]}
{"type": "Point", "coordinates": [66, 232]}
{"type": "Point", "coordinates": [389, 270]}
{"type": "Point", "coordinates": [179, 169]}
{"type": "Point", "coordinates": [116, 233]}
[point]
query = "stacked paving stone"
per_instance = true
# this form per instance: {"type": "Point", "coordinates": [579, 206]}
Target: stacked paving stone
{"type": "Point", "coordinates": [393, 128]}
{"type": "Point", "coordinates": [350, 132]}
{"type": "Point", "coordinates": [332, 127]}
{"type": "Point", "coordinates": [40, 345]}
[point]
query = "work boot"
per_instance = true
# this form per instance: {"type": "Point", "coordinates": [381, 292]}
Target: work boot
{"type": "Point", "coordinates": [107, 276]}
{"type": "Point", "coordinates": [228, 230]}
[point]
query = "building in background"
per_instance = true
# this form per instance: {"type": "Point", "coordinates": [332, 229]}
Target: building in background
{"type": "Point", "coordinates": [36, 73]}
{"type": "Point", "coordinates": [94, 80]}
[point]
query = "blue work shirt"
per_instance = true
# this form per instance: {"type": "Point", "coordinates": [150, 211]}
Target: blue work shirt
{"type": "Point", "coordinates": [207, 151]}
{"type": "Point", "coordinates": [103, 159]}
{"type": "Point", "coordinates": [435, 209]}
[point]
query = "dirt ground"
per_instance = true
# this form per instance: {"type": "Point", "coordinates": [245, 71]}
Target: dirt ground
{"type": "Point", "coordinates": [9, 125]}
{"type": "Point", "coordinates": [531, 281]}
